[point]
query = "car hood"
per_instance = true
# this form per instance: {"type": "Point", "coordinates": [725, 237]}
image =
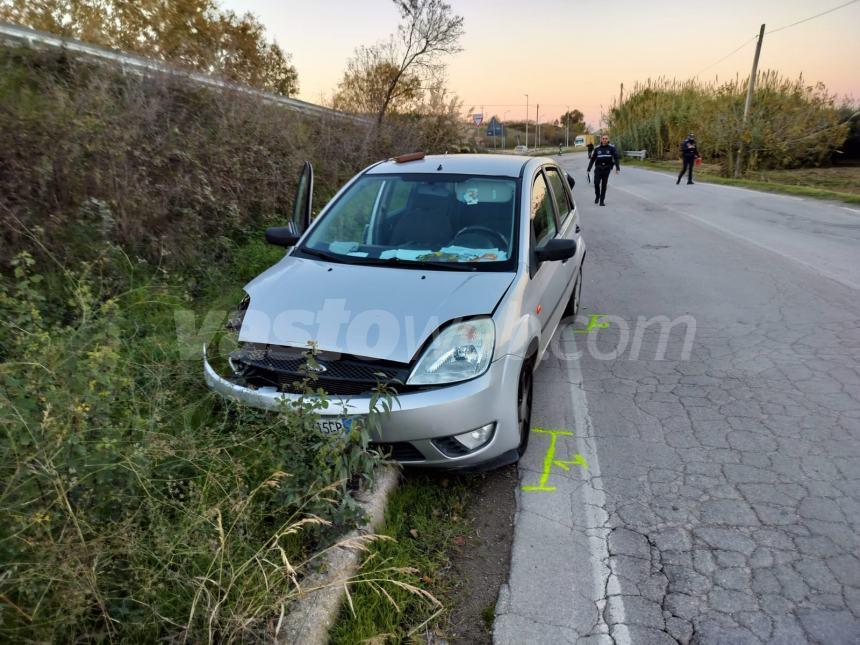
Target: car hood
{"type": "Point", "coordinates": [378, 312]}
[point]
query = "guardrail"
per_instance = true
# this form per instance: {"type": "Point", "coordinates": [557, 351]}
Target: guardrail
{"type": "Point", "coordinates": [15, 34]}
{"type": "Point", "coordinates": [638, 154]}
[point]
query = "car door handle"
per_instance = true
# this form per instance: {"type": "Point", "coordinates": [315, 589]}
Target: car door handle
{"type": "Point", "coordinates": [577, 230]}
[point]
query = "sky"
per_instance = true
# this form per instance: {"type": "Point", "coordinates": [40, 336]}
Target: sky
{"type": "Point", "coordinates": [575, 52]}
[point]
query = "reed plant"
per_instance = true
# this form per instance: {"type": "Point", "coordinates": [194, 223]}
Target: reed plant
{"type": "Point", "coordinates": [791, 124]}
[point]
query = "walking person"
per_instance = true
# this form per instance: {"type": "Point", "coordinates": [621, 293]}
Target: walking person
{"type": "Point", "coordinates": [604, 157]}
{"type": "Point", "coordinates": [689, 153]}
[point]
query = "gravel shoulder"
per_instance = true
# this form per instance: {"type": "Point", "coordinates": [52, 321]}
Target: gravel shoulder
{"type": "Point", "coordinates": [481, 563]}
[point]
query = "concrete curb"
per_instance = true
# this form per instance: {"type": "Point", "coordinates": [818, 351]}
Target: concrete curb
{"type": "Point", "coordinates": [314, 613]}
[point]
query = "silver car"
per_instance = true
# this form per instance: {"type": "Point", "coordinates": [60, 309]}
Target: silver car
{"type": "Point", "coordinates": [446, 275]}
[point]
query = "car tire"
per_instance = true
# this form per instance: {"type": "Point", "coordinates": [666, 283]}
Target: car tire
{"type": "Point", "coordinates": [525, 390]}
{"type": "Point", "coordinates": [572, 308]}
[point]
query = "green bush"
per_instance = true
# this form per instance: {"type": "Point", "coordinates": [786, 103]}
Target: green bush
{"type": "Point", "coordinates": [137, 505]}
{"type": "Point", "coordinates": [791, 124]}
{"type": "Point", "coordinates": [172, 172]}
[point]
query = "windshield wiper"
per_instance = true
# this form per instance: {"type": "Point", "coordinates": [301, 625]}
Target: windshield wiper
{"type": "Point", "coordinates": [425, 264]}
{"type": "Point", "coordinates": [358, 259]}
{"type": "Point", "coordinates": [325, 255]}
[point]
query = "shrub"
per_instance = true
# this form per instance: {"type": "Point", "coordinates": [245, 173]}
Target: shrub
{"type": "Point", "coordinates": [136, 504]}
{"type": "Point", "coordinates": [791, 124]}
{"type": "Point", "coordinates": [172, 172]}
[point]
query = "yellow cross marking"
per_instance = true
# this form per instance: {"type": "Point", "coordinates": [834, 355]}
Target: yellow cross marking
{"type": "Point", "coordinates": [593, 323]}
{"type": "Point", "coordinates": [549, 460]}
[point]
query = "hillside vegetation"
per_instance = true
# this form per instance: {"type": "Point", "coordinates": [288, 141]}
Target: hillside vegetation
{"type": "Point", "coordinates": [136, 505]}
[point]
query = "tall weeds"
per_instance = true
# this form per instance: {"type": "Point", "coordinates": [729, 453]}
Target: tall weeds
{"type": "Point", "coordinates": [136, 505]}
{"type": "Point", "coordinates": [172, 172]}
{"type": "Point", "coordinates": [791, 123]}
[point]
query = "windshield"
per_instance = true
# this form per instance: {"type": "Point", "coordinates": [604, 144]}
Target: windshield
{"type": "Point", "coordinates": [441, 220]}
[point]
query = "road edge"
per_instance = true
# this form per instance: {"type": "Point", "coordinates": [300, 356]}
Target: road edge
{"type": "Point", "coordinates": [315, 612]}
{"type": "Point", "coordinates": [797, 191]}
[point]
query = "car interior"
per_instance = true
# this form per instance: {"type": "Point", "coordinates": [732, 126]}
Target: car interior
{"type": "Point", "coordinates": [478, 214]}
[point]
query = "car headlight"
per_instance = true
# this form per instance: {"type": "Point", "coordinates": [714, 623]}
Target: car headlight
{"type": "Point", "coordinates": [462, 351]}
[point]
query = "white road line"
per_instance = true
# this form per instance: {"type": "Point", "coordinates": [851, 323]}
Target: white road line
{"type": "Point", "coordinates": [705, 182]}
{"type": "Point", "coordinates": [594, 504]}
{"type": "Point", "coordinates": [737, 236]}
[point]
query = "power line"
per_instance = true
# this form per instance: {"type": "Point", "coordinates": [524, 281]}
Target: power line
{"type": "Point", "coordinates": [485, 104]}
{"type": "Point", "coordinates": [818, 15]}
{"type": "Point", "coordinates": [773, 31]}
{"type": "Point", "coordinates": [731, 53]}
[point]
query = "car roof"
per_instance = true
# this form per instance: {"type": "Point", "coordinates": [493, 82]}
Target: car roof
{"type": "Point", "coordinates": [466, 164]}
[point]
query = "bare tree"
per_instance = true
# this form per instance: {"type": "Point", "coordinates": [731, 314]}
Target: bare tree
{"type": "Point", "coordinates": [428, 31]}
{"type": "Point", "coordinates": [441, 125]}
{"type": "Point", "coordinates": [367, 84]}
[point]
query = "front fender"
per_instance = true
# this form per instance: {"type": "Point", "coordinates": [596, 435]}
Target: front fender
{"type": "Point", "coordinates": [518, 332]}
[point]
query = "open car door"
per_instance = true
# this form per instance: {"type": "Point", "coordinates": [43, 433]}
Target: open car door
{"type": "Point", "coordinates": [288, 235]}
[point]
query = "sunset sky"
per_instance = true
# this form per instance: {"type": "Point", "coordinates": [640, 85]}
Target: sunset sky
{"type": "Point", "coordinates": [576, 53]}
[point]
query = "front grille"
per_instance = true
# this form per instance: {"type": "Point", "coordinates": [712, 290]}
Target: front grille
{"type": "Point", "coordinates": [398, 450]}
{"type": "Point", "coordinates": [450, 447]}
{"type": "Point", "coordinates": [340, 374]}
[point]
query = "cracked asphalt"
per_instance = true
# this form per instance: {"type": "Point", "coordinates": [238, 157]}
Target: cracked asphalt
{"type": "Point", "coordinates": [721, 503]}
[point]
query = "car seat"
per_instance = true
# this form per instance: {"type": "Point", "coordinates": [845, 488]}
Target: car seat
{"type": "Point", "coordinates": [496, 216]}
{"type": "Point", "coordinates": [426, 224]}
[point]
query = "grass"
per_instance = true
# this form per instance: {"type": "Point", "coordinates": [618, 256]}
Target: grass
{"type": "Point", "coordinates": [489, 615]}
{"type": "Point", "coordinates": [425, 516]}
{"type": "Point", "coordinates": [137, 505]}
{"type": "Point", "coordinates": [837, 183]}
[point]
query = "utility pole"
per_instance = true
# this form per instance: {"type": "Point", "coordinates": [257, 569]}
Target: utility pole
{"type": "Point", "coordinates": [537, 127]}
{"type": "Point", "coordinates": [748, 103]}
{"type": "Point", "coordinates": [504, 127]}
{"type": "Point", "coordinates": [567, 130]}
{"type": "Point", "coordinates": [527, 120]}
{"type": "Point", "coordinates": [621, 96]}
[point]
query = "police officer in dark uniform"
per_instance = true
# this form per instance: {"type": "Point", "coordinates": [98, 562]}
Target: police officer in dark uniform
{"type": "Point", "coordinates": [604, 157]}
{"type": "Point", "coordinates": [689, 153]}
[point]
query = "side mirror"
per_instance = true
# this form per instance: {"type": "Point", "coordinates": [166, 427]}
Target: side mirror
{"type": "Point", "coordinates": [302, 206]}
{"type": "Point", "coordinates": [281, 236]}
{"type": "Point", "coordinates": [557, 249]}
{"type": "Point", "coordinates": [570, 180]}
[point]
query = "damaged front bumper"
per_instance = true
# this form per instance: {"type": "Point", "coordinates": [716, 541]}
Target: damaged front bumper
{"type": "Point", "coordinates": [419, 420]}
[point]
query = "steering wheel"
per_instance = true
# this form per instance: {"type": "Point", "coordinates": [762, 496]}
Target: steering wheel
{"type": "Point", "coordinates": [482, 230]}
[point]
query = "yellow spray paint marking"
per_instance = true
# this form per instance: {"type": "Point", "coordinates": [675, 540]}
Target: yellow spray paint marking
{"type": "Point", "coordinates": [594, 323]}
{"type": "Point", "coordinates": [549, 460]}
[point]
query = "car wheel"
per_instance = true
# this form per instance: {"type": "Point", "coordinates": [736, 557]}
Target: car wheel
{"type": "Point", "coordinates": [524, 406]}
{"type": "Point", "coordinates": [573, 304]}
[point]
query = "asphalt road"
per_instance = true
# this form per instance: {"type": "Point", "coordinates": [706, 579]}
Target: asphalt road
{"type": "Point", "coordinates": [721, 498]}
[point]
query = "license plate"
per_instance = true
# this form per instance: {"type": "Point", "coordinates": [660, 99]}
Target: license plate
{"type": "Point", "coordinates": [336, 425]}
